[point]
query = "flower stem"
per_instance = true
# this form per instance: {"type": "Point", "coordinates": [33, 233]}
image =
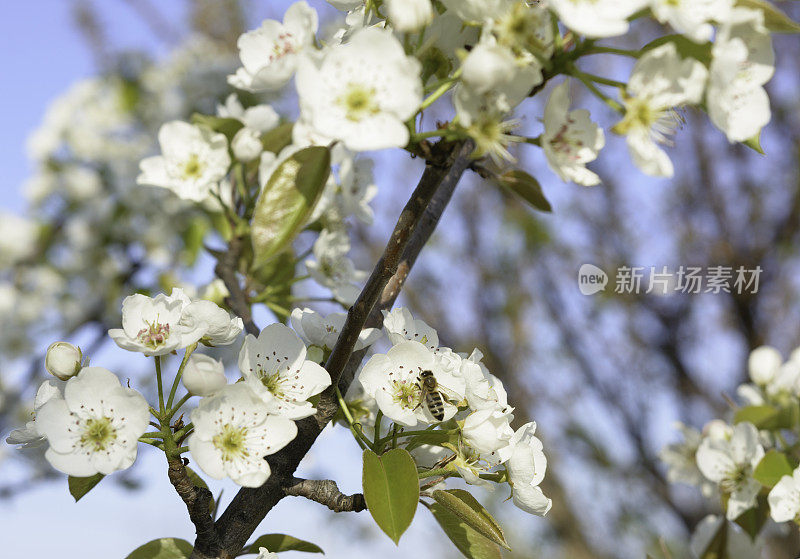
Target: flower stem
{"type": "Point", "coordinates": [180, 403]}
{"type": "Point", "coordinates": [361, 439]}
{"type": "Point", "coordinates": [443, 472]}
{"type": "Point", "coordinates": [160, 386]}
{"type": "Point", "coordinates": [443, 88]}
{"type": "Point", "coordinates": [377, 444]}
{"type": "Point", "coordinates": [186, 355]}
{"type": "Point", "coordinates": [599, 49]}
{"type": "Point", "coordinates": [587, 81]}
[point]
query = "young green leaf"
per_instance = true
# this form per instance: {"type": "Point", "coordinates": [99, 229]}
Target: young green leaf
{"type": "Point", "coordinates": [163, 548]}
{"type": "Point", "coordinates": [278, 138]}
{"type": "Point", "coordinates": [80, 486]}
{"type": "Point", "coordinates": [227, 126]}
{"type": "Point", "coordinates": [277, 543]}
{"type": "Point", "coordinates": [774, 19]}
{"type": "Point", "coordinates": [757, 415]}
{"type": "Point", "coordinates": [468, 509]}
{"type": "Point", "coordinates": [526, 187]}
{"type": "Point", "coordinates": [685, 47]}
{"type": "Point", "coordinates": [772, 468]}
{"type": "Point", "coordinates": [468, 541]}
{"type": "Point", "coordinates": [287, 200]}
{"type": "Point", "coordinates": [391, 490]}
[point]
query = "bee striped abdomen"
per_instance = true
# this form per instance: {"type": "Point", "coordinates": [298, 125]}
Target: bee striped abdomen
{"type": "Point", "coordinates": [435, 405]}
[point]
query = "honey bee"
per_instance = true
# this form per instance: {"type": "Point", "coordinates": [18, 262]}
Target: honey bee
{"type": "Point", "coordinates": [430, 394]}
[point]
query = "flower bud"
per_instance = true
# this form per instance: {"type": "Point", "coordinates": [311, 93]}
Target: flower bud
{"type": "Point", "coordinates": [63, 360]}
{"type": "Point", "coordinates": [763, 364]}
{"type": "Point", "coordinates": [487, 67]}
{"type": "Point", "coordinates": [246, 145]}
{"type": "Point", "coordinates": [203, 375]}
{"type": "Point", "coordinates": [408, 16]}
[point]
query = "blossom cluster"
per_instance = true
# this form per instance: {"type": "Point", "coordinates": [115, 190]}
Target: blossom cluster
{"type": "Point", "coordinates": [753, 462]}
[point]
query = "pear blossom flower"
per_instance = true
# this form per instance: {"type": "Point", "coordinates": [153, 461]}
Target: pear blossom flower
{"type": "Point", "coordinates": [96, 427]}
{"type": "Point", "coordinates": [409, 16]}
{"type": "Point", "coordinates": [570, 139]}
{"type": "Point", "coordinates": [216, 324]}
{"type": "Point", "coordinates": [270, 54]}
{"type": "Point", "coordinates": [681, 459]}
{"type": "Point", "coordinates": [264, 553]}
{"type": "Point", "coordinates": [261, 118]}
{"type": "Point", "coordinates": [18, 236]}
{"type": "Point", "coordinates": [400, 326]}
{"type": "Point", "coordinates": [332, 268]}
{"type": "Point", "coordinates": [246, 145]}
{"type": "Point", "coordinates": [275, 367]}
{"type": "Point", "coordinates": [29, 436]}
{"type": "Point", "coordinates": [323, 330]}
{"type": "Point", "coordinates": [476, 11]}
{"type": "Point", "coordinates": [691, 18]}
{"type": "Point", "coordinates": [63, 360]}
{"type": "Point", "coordinates": [526, 468]}
{"type": "Point", "coordinates": [784, 498]}
{"type": "Point", "coordinates": [763, 364]}
{"type": "Point", "coordinates": [393, 380]}
{"type": "Point", "coordinates": [362, 91]}
{"type": "Point", "coordinates": [660, 81]}
{"type": "Point", "coordinates": [742, 61]}
{"type": "Point", "coordinates": [192, 163]}
{"type": "Point", "coordinates": [489, 432]}
{"type": "Point", "coordinates": [596, 18]}
{"type": "Point", "coordinates": [730, 462]}
{"type": "Point", "coordinates": [356, 189]}
{"type": "Point", "coordinates": [233, 432]}
{"type": "Point", "coordinates": [483, 389]}
{"type": "Point", "coordinates": [203, 375]}
{"type": "Point", "coordinates": [153, 325]}
{"type": "Point", "coordinates": [487, 66]}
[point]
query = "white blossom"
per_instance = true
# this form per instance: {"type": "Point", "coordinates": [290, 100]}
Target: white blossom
{"type": "Point", "coordinates": [261, 118]}
{"type": "Point", "coordinates": [742, 62]}
{"type": "Point", "coordinates": [246, 145]}
{"type": "Point", "coordinates": [346, 5]}
{"type": "Point", "coordinates": [570, 139]}
{"type": "Point", "coordinates": [233, 432]}
{"type": "Point", "coordinates": [660, 81]}
{"type": "Point", "coordinates": [526, 468]}
{"type": "Point", "coordinates": [264, 553]}
{"type": "Point", "coordinates": [332, 268]}
{"type": "Point", "coordinates": [596, 18]}
{"type": "Point", "coordinates": [29, 436]}
{"type": "Point", "coordinates": [18, 236]}
{"type": "Point", "coordinates": [483, 389]}
{"type": "Point", "coordinates": [361, 92]}
{"type": "Point", "coordinates": [763, 364]}
{"type": "Point", "coordinates": [323, 330]}
{"type": "Point", "coordinates": [729, 462]}
{"type": "Point", "coordinates": [784, 498]}
{"type": "Point", "coordinates": [393, 380]}
{"type": "Point", "coordinates": [153, 325]}
{"type": "Point", "coordinates": [192, 163]}
{"type": "Point", "coordinates": [476, 10]}
{"type": "Point", "coordinates": [215, 323]}
{"type": "Point", "coordinates": [96, 427]}
{"type": "Point", "coordinates": [400, 325]}
{"type": "Point", "coordinates": [203, 375]}
{"type": "Point", "coordinates": [489, 432]}
{"type": "Point", "coordinates": [63, 360]}
{"type": "Point", "coordinates": [409, 16]}
{"type": "Point", "coordinates": [270, 54]}
{"type": "Point", "coordinates": [487, 66]}
{"type": "Point", "coordinates": [275, 367]}
{"type": "Point", "coordinates": [691, 18]}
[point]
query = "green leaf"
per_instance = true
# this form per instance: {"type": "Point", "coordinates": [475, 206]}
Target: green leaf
{"type": "Point", "coordinates": [526, 187]}
{"type": "Point", "coordinates": [718, 544]}
{"type": "Point", "coordinates": [772, 468]}
{"type": "Point", "coordinates": [227, 126]}
{"type": "Point", "coordinates": [286, 201]}
{"type": "Point", "coordinates": [468, 541]}
{"type": "Point", "coordinates": [752, 520]}
{"type": "Point", "coordinates": [755, 143]}
{"type": "Point", "coordinates": [433, 438]}
{"type": "Point", "coordinates": [685, 47]}
{"type": "Point", "coordinates": [391, 490]}
{"type": "Point", "coordinates": [163, 548]}
{"type": "Point", "coordinates": [277, 543]}
{"type": "Point", "coordinates": [757, 415]}
{"type": "Point", "coordinates": [80, 486]}
{"type": "Point", "coordinates": [774, 19]}
{"type": "Point", "coordinates": [278, 138]}
{"type": "Point", "coordinates": [467, 508]}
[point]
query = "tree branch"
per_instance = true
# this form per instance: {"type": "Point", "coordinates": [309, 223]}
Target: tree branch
{"type": "Point", "coordinates": [249, 507]}
{"type": "Point", "coordinates": [238, 301]}
{"type": "Point", "coordinates": [198, 502]}
{"type": "Point", "coordinates": [326, 492]}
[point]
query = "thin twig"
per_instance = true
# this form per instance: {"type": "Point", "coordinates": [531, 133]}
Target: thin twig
{"type": "Point", "coordinates": [326, 492]}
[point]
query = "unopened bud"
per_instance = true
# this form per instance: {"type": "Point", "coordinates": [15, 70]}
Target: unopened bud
{"type": "Point", "coordinates": [203, 375]}
{"type": "Point", "coordinates": [63, 360]}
